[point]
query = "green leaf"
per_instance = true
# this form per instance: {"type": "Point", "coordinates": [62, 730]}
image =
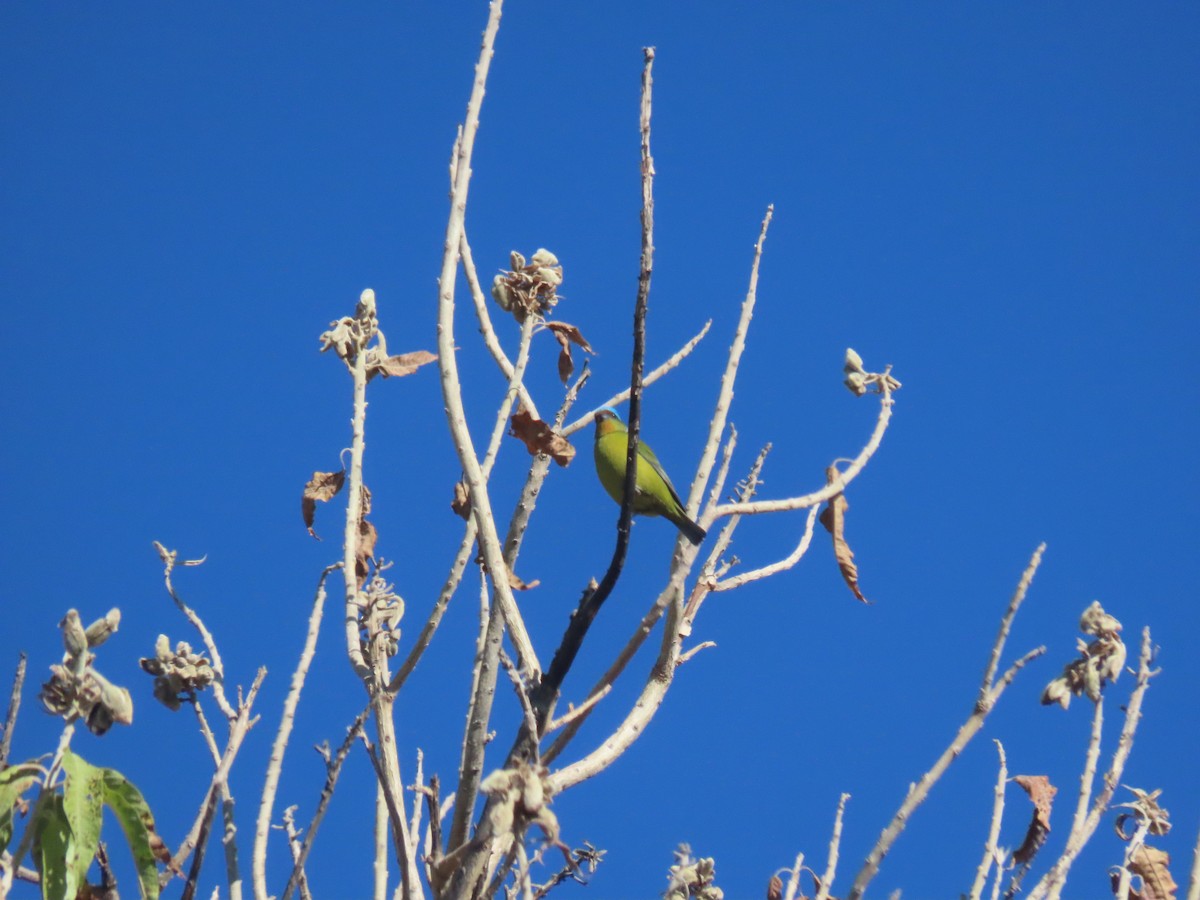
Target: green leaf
{"type": "Point", "coordinates": [83, 803]}
{"type": "Point", "coordinates": [132, 811]}
{"type": "Point", "coordinates": [14, 781]}
{"type": "Point", "coordinates": [51, 844]}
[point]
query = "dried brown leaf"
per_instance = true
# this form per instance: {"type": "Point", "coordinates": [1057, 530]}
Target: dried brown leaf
{"type": "Point", "coordinates": [539, 437]}
{"type": "Point", "coordinates": [833, 517]}
{"type": "Point", "coordinates": [1041, 792]}
{"type": "Point", "coordinates": [322, 486]}
{"type": "Point", "coordinates": [461, 504]}
{"type": "Point", "coordinates": [567, 335]}
{"type": "Point", "coordinates": [518, 585]}
{"type": "Point", "coordinates": [1152, 865]}
{"type": "Point", "coordinates": [367, 536]}
{"type": "Point", "coordinates": [401, 365]}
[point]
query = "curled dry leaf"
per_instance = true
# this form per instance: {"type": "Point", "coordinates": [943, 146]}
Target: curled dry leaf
{"type": "Point", "coordinates": [322, 486]}
{"type": "Point", "coordinates": [461, 504]}
{"type": "Point", "coordinates": [833, 517]}
{"type": "Point", "coordinates": [518, 585]}
{"type": "Point", "coordinates": [399, 366]}
{"type": "Point", "coordinates": [367, 536]}
{"type": "Point", "coordinates": [539, 437]}
{"type": "Point", "coordinates": [1152, 866]}
{"type": "Point", "coordinates": [567, 335]}
{"type": "Point", "coordinates": [1041, 792]}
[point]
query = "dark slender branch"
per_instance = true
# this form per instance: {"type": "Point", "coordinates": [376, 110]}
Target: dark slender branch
{"type": "Point", "coordinates": [546, 692]}
{"type": "Point", "coordinates": [14, 706]}
{"type": "Point", "coordinates": [333, 768]}
{"type": "Point", "coordinates": [193, 878]}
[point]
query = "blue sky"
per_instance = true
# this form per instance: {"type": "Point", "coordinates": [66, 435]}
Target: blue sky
{"type": "Point", "coordinates": [1002, 201]}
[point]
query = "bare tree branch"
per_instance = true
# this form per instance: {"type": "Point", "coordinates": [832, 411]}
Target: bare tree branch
{"type": "Point", "coordinates": [989, 694]}
{"type": "Point", "coordinates": [990, 853]}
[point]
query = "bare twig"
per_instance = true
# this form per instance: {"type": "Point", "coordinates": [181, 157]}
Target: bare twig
{"type": "Point", "coordinates": [239, 727]}
{"type": "Point", "coordinates": [479, 296]}
{"type": "Point", "coordinates": [835, 841]}
{"type": "Point", "coordinates": [481, 507]}
{"type": "Point", "coordinates": [333, 768]}
{"type": "Point", "coordinates": [286, 721]}
{"type": "Point", "coordinates": [989, 848]}
{"type": "Point", "coordinates": [1053, 881]}
{"type": "Point", "coordinates": [793, 882]}
{"type": "Point", "coordinates": [990, 692]}
{"type": "Point", "coordinates": [14, 707]}
{"type": "Point", "coordinates": [774, 568]}
{"type": "Point", "coordinates": [716, 426]}
{"type": "Point", "coordinates": [380, 870]}
{"type": "Point", "coordinates": [837, 486]}
{"type": "Point", "coordinates": [1194, 881]}
{"type": "Point", "coordinates": [479, 711]}
{"type": "Point", "coordinates": [354, 510]}
{"type": "Point", "coordinates": [170, 560]}
{"type": "Point", "coordinates": [621, 396]}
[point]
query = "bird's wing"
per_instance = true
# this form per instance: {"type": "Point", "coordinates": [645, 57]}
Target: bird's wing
{"type": "Point", "coordinates": [648, 455]}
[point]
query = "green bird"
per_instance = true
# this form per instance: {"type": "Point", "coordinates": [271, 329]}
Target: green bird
{"type": "Point", "coordinates": [654, 495]}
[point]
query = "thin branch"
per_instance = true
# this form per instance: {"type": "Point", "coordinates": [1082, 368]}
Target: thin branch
{"type": "Point", "coordinates": [993, 838]}
{"type": "Point", "coordinates": [380, 869]}
{"type": "Point", "coordinates": [776, 567]}
{"type": "Point", "coordinates": [239, 727]}
{"type": "Point", "coordinates": [1052, 882]}
{"type": "Point", "coordinates": [479, 711]}
{"type": "Point", "coordinates": [621, 396]}
{"type": "Point", "coordinates": [333, 769]}
{"type": "Point", "coordinates": [575, 712]}
{"type": "Point", "coordinates": [283, 734]}
{"type": "Point", "coordinates": [169, 559]}
{"type": "Point", "coordinates": [293, 840]}
{"type": "Point", "coordinates": [439, 608]}
{"type": "Point", "coordinates": [479, 296]}
{"type": "Point", "coordinates": [835, 841]}
{"type": "Point", "coordinates": [354, 514]}
{"type": "Point", "coordinates": [837, 486]}
{"type": "Point", "coordinates": [1194, 882]}
{"type": "Point", "coordinates": [546, 692]}
{"type": "Point", "coordinates": [989, 695]}
{"type": "Point", "coordinates": [716, 426]}
{"type": "Point", "coordinates": [481, 507]}
{"type": "Point", "coordinates": [1014, 603]}
{"type": "Point", "coordinates": [793, 883]}
{"type": "Point", "coordinates": [14, 707]}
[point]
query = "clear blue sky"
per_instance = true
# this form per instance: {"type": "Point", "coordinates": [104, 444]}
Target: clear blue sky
{"type": "Point", "coordinates": [1003, 201]}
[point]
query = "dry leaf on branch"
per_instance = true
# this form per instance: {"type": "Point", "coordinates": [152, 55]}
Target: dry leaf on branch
{"type": "Point", "coordinates": [539, 437]}
{"type": "Point", "coordinates": [322, 486]}
{"type": "Point", "coordinates": [1041, 792]}
{"type": "Point", "coordinates": [518, 585]}
{"type": "Point", "coordinates": [1151, 865]}
{"type": "Point", "coordinates": [398, 366]}
{"type": "Point", "coordinates": [365, 549]}
{"type": "Point", "coordinates": [461, 504]}
{"type": "Point", "coordinates": [567, 335]}
{"type": "Point", "coordinates": [833, 517]}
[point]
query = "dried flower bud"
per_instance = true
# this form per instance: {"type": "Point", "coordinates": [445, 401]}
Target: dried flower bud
{"type": "Point", "coordinates": [102, 629]}
{"type": "Point", "coordinates": [854, 362]}
{"type": "Point", "coordinates": [74, 637]}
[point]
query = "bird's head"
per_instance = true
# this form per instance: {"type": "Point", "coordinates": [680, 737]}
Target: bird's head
{"type": "Point", "coordinates": [607, 420]}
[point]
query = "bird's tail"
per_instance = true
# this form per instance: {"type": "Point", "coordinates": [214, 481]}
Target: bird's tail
{"type": "Point", "coordinates": [690, 529]}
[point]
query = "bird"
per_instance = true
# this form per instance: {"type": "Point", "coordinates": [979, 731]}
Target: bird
{"type": "Point", "coordinates": [654, 495]}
